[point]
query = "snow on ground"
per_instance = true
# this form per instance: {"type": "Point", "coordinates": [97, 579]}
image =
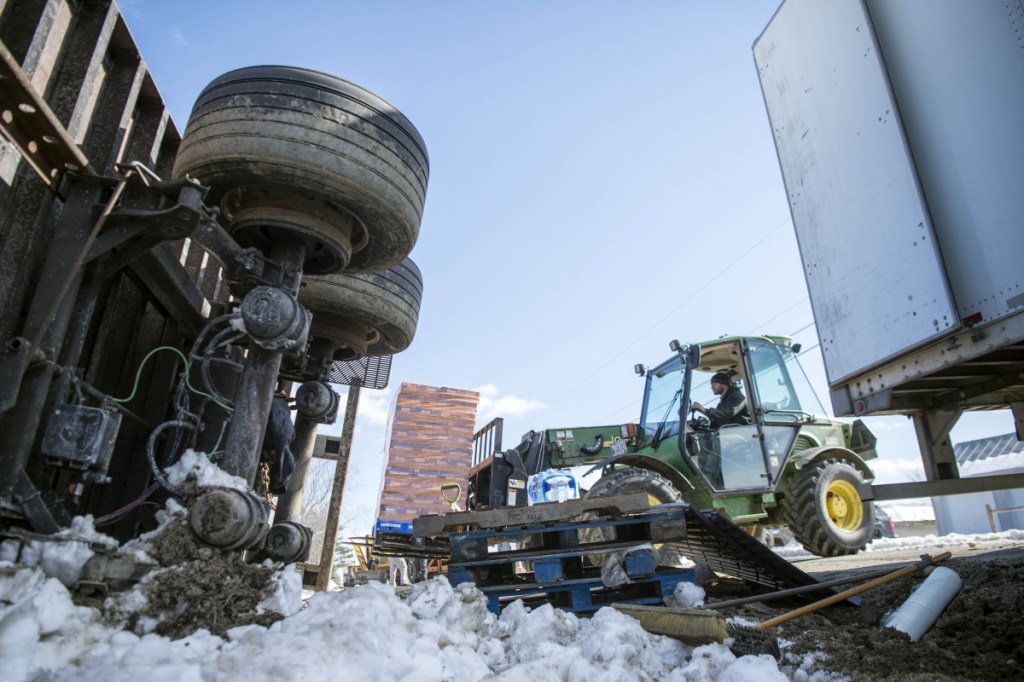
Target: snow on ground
{"type": "Point", "coordinates": [437, 632]}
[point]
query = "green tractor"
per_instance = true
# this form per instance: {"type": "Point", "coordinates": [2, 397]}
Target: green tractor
{"type": "Point", "coordinates": [782, 463]}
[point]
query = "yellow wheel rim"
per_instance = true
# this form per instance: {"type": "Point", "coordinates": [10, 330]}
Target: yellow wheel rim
{"type": "Point", "coordinates": [654, 502]}
{"type": "Point", "coordinates": [844, 506]}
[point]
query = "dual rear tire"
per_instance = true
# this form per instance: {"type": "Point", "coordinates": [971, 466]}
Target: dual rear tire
{"type": "Point", "coordinates": [290, 153]}
{"type": "Point", "coordinates": [298, 156]}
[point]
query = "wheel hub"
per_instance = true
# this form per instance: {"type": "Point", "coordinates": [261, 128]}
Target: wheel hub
{"type": "Point", "coordinates": [259, 216]}
{"type": "Point", "coordinates": [352, 338]}
{"type": "Point", "coordinates": [844, 506]}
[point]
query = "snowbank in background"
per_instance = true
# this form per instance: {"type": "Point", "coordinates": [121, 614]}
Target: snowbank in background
{"type": "Point", "coordinates": [930, 542]}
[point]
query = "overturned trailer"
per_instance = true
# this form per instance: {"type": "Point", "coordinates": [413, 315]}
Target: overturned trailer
{"type": "Point", "coordinates": [897, 126]}
{"type": "Point", "coordinates": [158, 291]}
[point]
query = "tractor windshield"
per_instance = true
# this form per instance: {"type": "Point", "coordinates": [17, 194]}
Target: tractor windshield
{"type": "Point", "coordinates": [783, 391]}
{"type": "Point", "coordinates": [660, 414]}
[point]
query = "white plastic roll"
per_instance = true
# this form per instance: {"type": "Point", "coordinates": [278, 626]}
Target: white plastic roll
{"type": "Point", "coordinates": [925, 604]}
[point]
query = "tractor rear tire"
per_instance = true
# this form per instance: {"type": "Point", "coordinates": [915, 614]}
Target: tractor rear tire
{"type": "Point", "coordinates": [825, 511]}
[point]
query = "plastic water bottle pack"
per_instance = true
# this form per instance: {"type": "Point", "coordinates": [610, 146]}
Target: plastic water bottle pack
{"type": "Point", "coordinates": [552, 485]}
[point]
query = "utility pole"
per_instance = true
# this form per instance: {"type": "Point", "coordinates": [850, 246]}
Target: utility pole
{"type": "Point", "coordinates": [340, 473]}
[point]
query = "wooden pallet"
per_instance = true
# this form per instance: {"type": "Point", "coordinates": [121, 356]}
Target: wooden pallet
{"type": "Point", "coordinates": [548, 512]}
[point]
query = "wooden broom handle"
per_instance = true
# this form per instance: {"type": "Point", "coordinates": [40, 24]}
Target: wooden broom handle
{"type": "Point", "coordinates": [835, 598]}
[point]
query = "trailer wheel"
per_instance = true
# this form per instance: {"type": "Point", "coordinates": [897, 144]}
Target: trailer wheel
{"type": "Point", "coordinates": [826, 513]}
{"type": "Point", "coordinates": [298, 154]}
{"type": "Point", "coordinates": [371, 314]}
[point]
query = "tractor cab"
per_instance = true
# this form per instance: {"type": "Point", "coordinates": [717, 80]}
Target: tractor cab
{"type": "Point", "coordinates": [747, 453]}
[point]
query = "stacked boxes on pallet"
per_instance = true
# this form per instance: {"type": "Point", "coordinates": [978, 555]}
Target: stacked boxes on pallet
{"type": "Point", "coordinates": [430, 443]}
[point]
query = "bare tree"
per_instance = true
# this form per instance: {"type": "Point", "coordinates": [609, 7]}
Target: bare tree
{"type": "Point", "coordinates": [315, 504]}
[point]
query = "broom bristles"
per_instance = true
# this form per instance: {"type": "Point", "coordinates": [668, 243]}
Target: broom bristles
{"type": "Point", "coordinates": [693, 627]}
{"type": "Point", "coordinates": [748, 641]}
{"type": "Point", "coordinates": [697, 627]}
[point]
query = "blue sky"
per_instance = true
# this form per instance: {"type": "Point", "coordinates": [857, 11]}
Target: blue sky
{"type": "Point", "coordinates": [603, 180]}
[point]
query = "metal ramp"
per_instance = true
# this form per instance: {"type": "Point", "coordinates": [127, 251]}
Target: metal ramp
{"type": "Point", "coordinates": [718, 543]}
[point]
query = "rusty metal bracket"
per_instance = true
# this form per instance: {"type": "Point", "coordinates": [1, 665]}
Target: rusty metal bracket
{"type": "Point", "coordinates": [29, 123]}
{"type": "Point", "coordinates": [131, 232]}
{"type": "Point", "coordinates": [46, 514]}
{"type": "Point", "coordinates": [243, 267]}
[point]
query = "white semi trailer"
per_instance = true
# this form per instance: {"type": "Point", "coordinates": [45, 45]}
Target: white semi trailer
{"type": "Point", "coordinates": [900, 137]}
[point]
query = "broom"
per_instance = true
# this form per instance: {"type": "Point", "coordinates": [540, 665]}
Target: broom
{"type": "Point", "coordinates": [696, 627]}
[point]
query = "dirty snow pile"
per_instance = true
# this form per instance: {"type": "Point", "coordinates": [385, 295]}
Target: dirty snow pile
{"type": "Point", "coordinates": [436, 632]}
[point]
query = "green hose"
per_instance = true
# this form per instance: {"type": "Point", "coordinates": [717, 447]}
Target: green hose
{"type": "Point", "coordinates": [188, 384]}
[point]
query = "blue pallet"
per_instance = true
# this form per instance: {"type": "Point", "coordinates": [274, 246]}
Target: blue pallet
{"type": "Point", "coordinates": [561, 574]}
{"type": "Point", "coordinates": [587, 595]}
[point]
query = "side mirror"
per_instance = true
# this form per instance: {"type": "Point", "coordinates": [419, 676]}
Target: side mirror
{"type": "Point", "coordinates": [692, 356]}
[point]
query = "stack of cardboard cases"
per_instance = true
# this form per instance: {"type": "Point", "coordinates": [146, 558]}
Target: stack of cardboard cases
{"type": "Point", "coordinates": [430, 444]}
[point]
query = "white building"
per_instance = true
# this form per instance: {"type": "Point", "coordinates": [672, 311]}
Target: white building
{"type": "Point", "coordinates": [980, 512]}
{"type": "Point", "coordinates": [914, 517]}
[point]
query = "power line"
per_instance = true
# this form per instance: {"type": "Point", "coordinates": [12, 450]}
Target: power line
{"type": "Point", "coordinates": [672, 312]}
{"type": "Point", "coordinates": [764, 324]}
{"type": "Point", "coordinates": [806, 326]}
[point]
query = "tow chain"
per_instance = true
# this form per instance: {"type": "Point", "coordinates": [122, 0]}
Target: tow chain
{"type": "Point", "coordinates": [264, 485]}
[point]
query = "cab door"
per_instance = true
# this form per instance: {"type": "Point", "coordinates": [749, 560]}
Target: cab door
{"type": "Point", "coordinates": [774, 402]}
{"type": "Point", "coordinates": [730, 458]}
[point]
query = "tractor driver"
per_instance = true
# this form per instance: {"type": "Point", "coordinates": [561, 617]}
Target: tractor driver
{"type": "Point", "coordinates": [732, 408]}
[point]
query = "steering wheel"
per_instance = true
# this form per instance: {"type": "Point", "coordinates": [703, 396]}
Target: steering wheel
{"type": "Point", "coordinates": [698, 422]}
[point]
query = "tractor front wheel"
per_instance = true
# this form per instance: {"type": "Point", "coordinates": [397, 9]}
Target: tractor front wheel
{"type": "Point", "coordinates": [633, 480]}
{"type": "Point", "coordinates": [636, 480]}
{"type": "Point", "coordinates": [825, 511]}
